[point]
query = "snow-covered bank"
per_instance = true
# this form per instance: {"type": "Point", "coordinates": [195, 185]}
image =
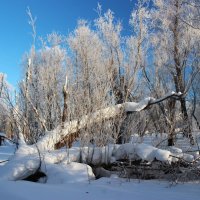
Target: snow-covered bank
{"type": "Point", "coordinates": [28, 160]}
{"type": "Point", "coordinates": [105, 188]}
{"type": "Point", "coordinates": [62, 167]}
{"type": "Point", "coordinates": [67, 179]}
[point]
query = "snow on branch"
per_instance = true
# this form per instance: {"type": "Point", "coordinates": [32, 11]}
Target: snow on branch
{"type": "Point", "coordinates": [137, 107]}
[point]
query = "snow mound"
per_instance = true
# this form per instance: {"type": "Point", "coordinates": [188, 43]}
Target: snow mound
{"type": "Point", "coordinates": [56, 165]}
{"type": "Point", "coordinates": [175, 150]}
{"type": "Point", "coordinates": [19, 167]}
{"type": "Point", "coordinates": [163, 155]}
{"type": "Point", "coordinates": [188, 157]}
{"type": "Point", "coordinates": [68, 173]}
{"type": "Point", "coordinates": [142, 151]}
{"type": "Point", "coordinates": [146, 152]}
{"type": "Point", "coordinates": [125, 151]}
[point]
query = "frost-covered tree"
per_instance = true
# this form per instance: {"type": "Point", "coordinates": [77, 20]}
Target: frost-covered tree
{"type": "Point", "coordinates": [175, 47]}
{"type": "Point", "coordinates": [89, 85]}
{"type": "Point", "coordinates": [40, 98]}
{"type": "Point", "coordinates": [123, 56]}
{"type": "Point", "coordinates": [6, 107]}
{"type": "Point", "coordinates": [96, 66]}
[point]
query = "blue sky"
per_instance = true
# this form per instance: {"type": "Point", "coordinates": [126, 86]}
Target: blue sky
{"type": "Point", "coordinates": [52, 15]}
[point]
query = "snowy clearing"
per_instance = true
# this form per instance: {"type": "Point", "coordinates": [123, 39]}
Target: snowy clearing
{"type": "Point", "coordinates": [67, 179]}
{"type": "Point", "coordinates": [104, 188]}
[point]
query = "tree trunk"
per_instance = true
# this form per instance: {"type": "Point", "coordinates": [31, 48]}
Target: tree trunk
{"type": "Point", "coordinates": [178, 77]}
{"type": "Point", "coordinates": [171, 123]}
{"type": "Point", "coordinates": [64, 115]}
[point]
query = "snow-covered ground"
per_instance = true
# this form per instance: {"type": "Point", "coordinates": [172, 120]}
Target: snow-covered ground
{"type": "Point", "coordinates": [6, 151]}
{"type": "Point", "coordinates": [101, 189]}
{"type": "Point", "coordinates": [67, 179]}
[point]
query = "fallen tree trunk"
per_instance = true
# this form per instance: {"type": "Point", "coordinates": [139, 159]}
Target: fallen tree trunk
{"type": "Point", "coordinates": [51, 138]}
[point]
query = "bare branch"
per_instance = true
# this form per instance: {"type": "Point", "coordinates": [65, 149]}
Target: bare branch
{"type": "Point", "coordinates": [32, 23]}
{"type": "Point", "coordinates": [2, 84]}
{"type": "Point", "coordinates": [189, 24]}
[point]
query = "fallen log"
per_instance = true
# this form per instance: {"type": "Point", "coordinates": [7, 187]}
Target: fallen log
{"type": "Point", "coordinates": [51, 138]}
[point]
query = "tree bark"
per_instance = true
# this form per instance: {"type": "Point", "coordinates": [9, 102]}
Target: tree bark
{"type": "Point", "coordinates": [64, 115]}
{"type": "Point", "coordinates": [178, 77]}
{"type": "Point", "coordinates": [65, 97]}
{"type": "Point", "coordinates": [171, 107]}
